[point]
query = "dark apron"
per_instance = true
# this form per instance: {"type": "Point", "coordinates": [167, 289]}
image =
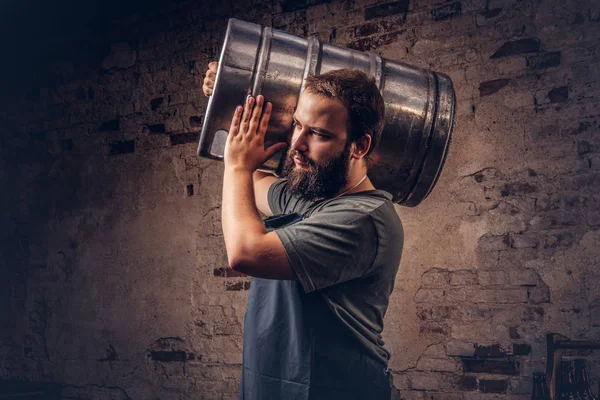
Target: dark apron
{"type": "Point", "coordinates": [295, 349]}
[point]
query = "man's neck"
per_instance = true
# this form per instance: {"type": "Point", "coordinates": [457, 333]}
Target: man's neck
{"type": "Point", "coordinates": [358, 181]}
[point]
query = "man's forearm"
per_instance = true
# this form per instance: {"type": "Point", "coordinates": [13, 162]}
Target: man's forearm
{"type": "Point", "coordinates": [250, 249]}
{"type": "Point", "coordinates": [242, 226]}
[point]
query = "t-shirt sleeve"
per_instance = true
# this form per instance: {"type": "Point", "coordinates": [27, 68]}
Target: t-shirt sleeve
{"type": "Point", "coordinates": [331, 247]}
{"type": "Point", "coordinates": [278, 197]}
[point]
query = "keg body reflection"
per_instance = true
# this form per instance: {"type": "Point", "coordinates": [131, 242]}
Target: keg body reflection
{"type": "Point", "coordinates": [419, 104]}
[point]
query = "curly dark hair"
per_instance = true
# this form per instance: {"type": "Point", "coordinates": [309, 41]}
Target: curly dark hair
{"type": "Point", "coordinates": [359, 93]}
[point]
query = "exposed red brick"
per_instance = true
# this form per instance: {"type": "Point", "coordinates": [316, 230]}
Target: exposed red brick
{"type": "Point", "coordinates": [156, 128]}
{"type": "Point", "coordinates": [462, 277]}
{"type": "Point", "coordinates": [584, 147]}
{"type": "Point", "coordinates": [295, 5]}
{"type": "Point", "coordinates": [520, 46]}
{"type": "Point", "coordinates": [183, 138]}
{"type": "Point", "coordinates": [435, 277]}
{"type": "Point", "coordinates": [491, 13]}
{"type": "Point", "coordinates": [109, 126]}
{"type": "Point", "coordinates": [466, 382]}
{"type": "Point", "coordinates": [154, 103]}
{"type": "Point", "coordinates": [517, 189]}
{"type": "Point", "coordinates": [367, 29]}
{"type": "Point", "coordinates": [535, 314]}
{"type": "Point", "coordinates": [237, 286]}
{"type": "Point", "coordinates": [383, 10]}
{"type": "Point", "coordinates": [227, 273]}
{"type": "Point", "coordinates": [433, 328]}
{"type": "Point", "coordinates": [559, 95]}
{"type": "Point", "coordinates": [434, 313]}
{"type": "Point", "coordinates": [490, 351]}
{"type": "Point", "coordinates": [494, 243]}
{"type": "Point", "coordinates": [393, 24]}
{"type": "Point", "coordinates": [195, 122]}
{"type": "Point", "coordinates": [493, 386]}
{"type": "Point", "coordinates": [471, 312]}
{"type": "Point", "coordinates": [447, 11]}
{"type": "Point", "coordinates": [543, 61]}
{"type": "Point", "coordinates": [538, 294]}
{"type": "Point", "coordinates": [521, 349]}
{"type": "Point", "coordinates": [121, 147]}
{"type": "Point", "coordinates": [373, 43]}
{"type": "Point", "coordinates": [584, 127]}
{"type": "Point", "coordinates": [503, 367]}
{"type": "Point", "coordinates": [168, 356]}
{"type": "Point", "coordinates": [559, 239]}
{"type": "Point", "coordinates": [490, 87]}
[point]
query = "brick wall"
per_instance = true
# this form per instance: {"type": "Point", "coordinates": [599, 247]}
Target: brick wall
{"type": "Point", "coordinates": [113, 273]}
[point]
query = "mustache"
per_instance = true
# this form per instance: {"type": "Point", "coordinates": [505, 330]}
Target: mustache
{"type": "Point", "coordinates": [295, 153]}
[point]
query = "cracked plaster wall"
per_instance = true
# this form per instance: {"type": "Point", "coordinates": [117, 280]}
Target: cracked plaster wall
{"type": "Point", "coordinates": [113, 279]}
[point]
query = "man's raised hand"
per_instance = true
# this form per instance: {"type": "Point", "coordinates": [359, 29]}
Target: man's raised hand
{"type": "Point", "coordinates": [245, 147]}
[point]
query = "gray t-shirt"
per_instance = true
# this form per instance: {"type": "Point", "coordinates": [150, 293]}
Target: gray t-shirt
{"type": "Point", "coordinates": [320, 336]}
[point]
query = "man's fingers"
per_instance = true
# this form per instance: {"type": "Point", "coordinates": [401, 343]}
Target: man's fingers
{"type": "Point", "coordinates": [209, 79]}
{"type": "Point", "coordinates": [247, 114]}
{"type": "Point", "coordinates": [207, 86]}
{"type": "Point", "coordinates": [235, 121]}
{"type": "Point", "coordinates": [254, 120]}
{"type": "Point", "coordinates": [264, 121]}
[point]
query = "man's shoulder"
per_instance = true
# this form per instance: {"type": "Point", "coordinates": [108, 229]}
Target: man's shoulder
{"type": "Point", "coordinates": [365, 203]}
{"type": "Point", "coordinates": [377, 207]}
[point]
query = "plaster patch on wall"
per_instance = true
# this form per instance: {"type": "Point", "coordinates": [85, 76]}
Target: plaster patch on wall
{"type": "Point", "coordinates": [471, 232]}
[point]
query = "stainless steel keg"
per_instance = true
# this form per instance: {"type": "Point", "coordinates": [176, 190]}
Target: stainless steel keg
{"type": "Point", "coordinates": [419, 104]}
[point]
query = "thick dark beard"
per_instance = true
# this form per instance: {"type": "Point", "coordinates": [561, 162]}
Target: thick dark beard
{"type": "Point", "coordinates": [319, 181]}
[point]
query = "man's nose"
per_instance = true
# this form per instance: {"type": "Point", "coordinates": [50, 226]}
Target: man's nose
{"type": "Point", "coordinates": [299, 141]}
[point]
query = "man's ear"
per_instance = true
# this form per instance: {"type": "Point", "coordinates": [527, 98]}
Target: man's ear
{"type": "Point", "coordinates": [361, 146]}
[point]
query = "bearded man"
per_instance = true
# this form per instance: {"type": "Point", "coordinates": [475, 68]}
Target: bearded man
{"type": "Point", "coordinates": [324, 262]}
